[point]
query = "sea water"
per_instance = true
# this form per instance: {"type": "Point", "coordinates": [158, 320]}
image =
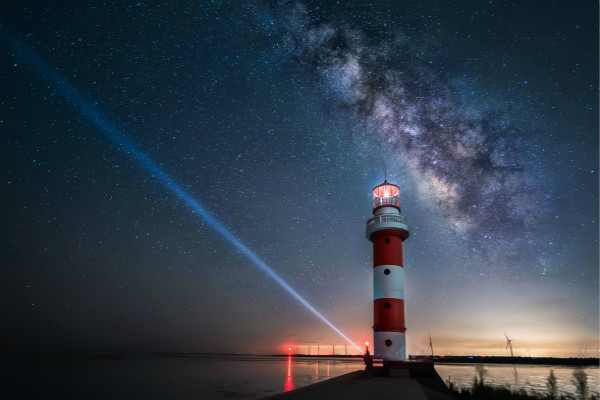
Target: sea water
{"type": "Point", "coordinates": [224, 377]}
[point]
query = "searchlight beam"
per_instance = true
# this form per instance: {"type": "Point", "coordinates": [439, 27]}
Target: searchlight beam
{"type": "Point", "coordinates": [85, 106]}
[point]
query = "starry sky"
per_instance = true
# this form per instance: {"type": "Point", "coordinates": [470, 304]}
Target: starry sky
{"type": "Point", "coordinates": [278, 118]}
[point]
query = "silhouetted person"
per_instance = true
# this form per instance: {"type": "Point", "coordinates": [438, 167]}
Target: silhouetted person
{"type": "Point", "coordinates": [368, 358]}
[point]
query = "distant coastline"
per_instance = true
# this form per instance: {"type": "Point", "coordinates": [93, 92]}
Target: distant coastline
{"type": "Point", "coordinates": [567, 361]}
{"type": "Point", "coordinates": [575, 361]}
{"type": "Point", "coordinates": [514, 360]}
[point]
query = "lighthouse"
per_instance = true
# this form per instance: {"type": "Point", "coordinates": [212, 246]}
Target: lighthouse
{"type": "Point", "coordinates": [387, 230]}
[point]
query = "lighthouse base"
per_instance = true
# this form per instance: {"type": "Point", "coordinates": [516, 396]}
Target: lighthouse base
{"type": "Point", "coordinates": [391, 346]}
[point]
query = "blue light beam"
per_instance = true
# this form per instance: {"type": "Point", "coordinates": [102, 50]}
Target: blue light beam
{"type": "Point", "coordinates": [85, 107]}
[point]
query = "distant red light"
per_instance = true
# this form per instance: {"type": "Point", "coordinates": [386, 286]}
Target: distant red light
{"type": "Point", "coordinates": [367, 344]}
{"type": "Point", "coordinates": [289, 349]}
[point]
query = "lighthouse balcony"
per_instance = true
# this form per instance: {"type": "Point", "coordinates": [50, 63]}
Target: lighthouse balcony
{"type": "Point", "coordinates": [386, 221]}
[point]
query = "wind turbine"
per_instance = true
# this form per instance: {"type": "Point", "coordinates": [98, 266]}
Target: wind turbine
{"type": "Point", "coordinates": [509, 344]}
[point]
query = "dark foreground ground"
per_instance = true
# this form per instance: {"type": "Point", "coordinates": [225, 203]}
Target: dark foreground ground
{"type": "Point", "coordinates": [359, 386]}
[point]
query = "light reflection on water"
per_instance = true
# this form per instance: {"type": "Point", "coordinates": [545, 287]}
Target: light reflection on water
{"type": "Point", "coordinates": [322, 368]}
{"type": "Point", "coordinates": [289, 383]}
{"type": "Point", "coordinates": [224, 377]}
{"type": "Point", "coordinates": [300, 366]}
{"type": "Point", "coordinates": [516, 377]}
{"type": "Point", "coordinates": [255, 376]}
{"type": "Point", "coordinates": [180, 376]}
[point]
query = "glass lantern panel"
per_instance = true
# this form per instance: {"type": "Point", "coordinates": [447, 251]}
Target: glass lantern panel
{"type": "Point", "coordinates": [386, 191]}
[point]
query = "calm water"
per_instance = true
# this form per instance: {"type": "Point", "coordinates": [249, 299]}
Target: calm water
{"type": "Point", "coordinates": [223, 377]}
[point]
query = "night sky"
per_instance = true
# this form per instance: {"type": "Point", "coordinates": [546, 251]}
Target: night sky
{"type": "Point", "coordinates": [278, 119]}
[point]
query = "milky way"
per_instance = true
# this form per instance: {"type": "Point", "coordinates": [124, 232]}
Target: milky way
{"type": "Point", "coordinates": [470, 163]}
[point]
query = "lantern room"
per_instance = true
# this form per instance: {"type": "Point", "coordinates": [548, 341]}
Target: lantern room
{"type": "Point", "coordinates": [386, 195]}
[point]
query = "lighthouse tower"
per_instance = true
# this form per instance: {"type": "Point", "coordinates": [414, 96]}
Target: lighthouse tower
{"type": "Point", "coordinates": [388, 229]}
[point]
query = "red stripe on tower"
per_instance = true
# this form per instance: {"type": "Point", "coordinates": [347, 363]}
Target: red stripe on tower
{"type": "Point", "coordinates": [388, 229]}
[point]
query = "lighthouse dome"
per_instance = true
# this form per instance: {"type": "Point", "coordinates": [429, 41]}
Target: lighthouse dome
{"type": "Point", "coordinates": [386, 195]}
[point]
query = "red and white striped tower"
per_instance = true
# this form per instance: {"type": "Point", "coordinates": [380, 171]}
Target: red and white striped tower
{"type": "Point", "coordinates": [387, 230]}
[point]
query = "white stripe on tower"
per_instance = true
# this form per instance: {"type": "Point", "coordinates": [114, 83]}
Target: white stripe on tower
{"type": "Point", "coordinates": [388, 282]}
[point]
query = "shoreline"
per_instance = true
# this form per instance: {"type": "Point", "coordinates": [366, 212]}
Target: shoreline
{"type": "Point", "coordinates": [574, 361]}
{"type": "Point", "coordinates": [571, 361]}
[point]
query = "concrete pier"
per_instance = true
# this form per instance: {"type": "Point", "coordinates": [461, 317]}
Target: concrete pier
{"type": "Point", "coordinates": [400, 384]}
